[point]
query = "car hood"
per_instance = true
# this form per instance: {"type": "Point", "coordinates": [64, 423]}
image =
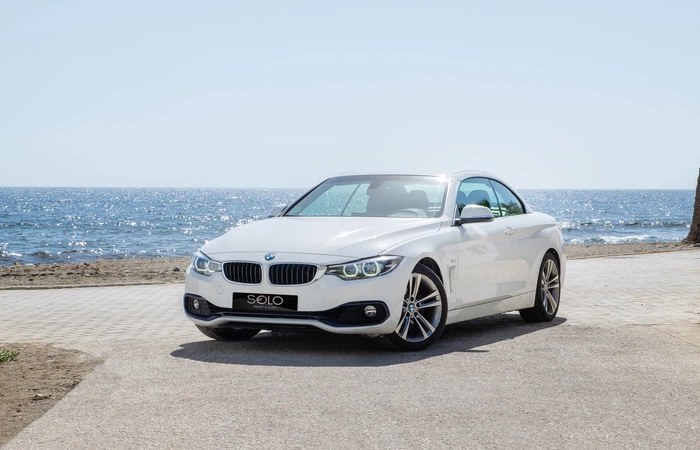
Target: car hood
{"type": "Point", "coordinates": [351, 237]}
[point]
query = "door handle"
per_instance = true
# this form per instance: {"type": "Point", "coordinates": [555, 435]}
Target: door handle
{"type": "Point", "coordinates": [510, 231]}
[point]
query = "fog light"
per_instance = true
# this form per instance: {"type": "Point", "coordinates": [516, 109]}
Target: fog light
{"type": "Point", "coordinates": [370, 311]}
{"type": "Point", "coordinates": [195, 304]}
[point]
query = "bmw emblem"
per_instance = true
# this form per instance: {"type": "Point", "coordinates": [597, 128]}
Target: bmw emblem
{"type": "Point", "coordinates": [270, 257]}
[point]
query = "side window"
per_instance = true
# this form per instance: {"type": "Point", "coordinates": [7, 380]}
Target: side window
{"type": "Point", "coordinates": [509, 203]}
{"type": "Point", "coordinates": [477, 191]}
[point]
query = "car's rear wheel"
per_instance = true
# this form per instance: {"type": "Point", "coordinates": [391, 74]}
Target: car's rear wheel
{"type": "Point", "coordinates": [228, 334]}
{"type": "Point", "coordinates": [423, 314]}
{"type": "Point", "coordinates": [548, 292]}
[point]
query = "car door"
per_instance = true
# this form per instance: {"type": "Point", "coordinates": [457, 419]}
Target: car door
{"type": "Point", "coordinates": [486, 262]}
{"type": "Point", "coordinates": [524, 241]}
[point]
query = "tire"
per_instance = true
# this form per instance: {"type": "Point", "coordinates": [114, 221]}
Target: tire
{"type": "Point", "coordinates": [548, 293]}
{"type": "Point", "coordinates": [423, 315]}
{"type": "Point", "coordinates": [228, 334]}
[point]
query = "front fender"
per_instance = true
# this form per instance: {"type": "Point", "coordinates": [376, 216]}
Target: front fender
{"type": "Point", "coordinates": [434, 247]}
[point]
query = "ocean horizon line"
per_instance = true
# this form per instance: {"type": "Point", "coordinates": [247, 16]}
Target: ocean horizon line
{"type": "Point", "coordinates": [299, 188]}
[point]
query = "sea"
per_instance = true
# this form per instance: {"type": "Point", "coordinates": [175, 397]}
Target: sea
{"type": "Point", "coordinates": [57, 225]}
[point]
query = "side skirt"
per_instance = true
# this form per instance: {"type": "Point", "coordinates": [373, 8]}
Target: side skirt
{"type": "Point", "coordinates": [515, 303]}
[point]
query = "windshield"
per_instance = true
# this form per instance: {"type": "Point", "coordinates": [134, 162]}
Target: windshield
{"type": "Point", "coordinates": [374, 196]}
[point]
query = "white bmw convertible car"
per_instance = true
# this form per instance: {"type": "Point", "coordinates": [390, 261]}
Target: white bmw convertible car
{"type": "Point", "coordinates": [394, 257]}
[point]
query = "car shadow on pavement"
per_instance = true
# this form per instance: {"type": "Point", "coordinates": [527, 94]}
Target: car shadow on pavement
{"type": "Point", "coordinates": [334, 350]}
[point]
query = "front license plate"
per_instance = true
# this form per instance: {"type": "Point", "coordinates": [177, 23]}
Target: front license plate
{"type": "Point", "coordinates": [264, 302]}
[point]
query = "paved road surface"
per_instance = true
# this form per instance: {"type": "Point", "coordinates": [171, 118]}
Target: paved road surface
{"type": "Point", "coordinates": [619, 368]}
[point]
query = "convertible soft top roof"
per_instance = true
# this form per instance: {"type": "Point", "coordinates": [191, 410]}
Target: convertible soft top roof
{"type": "Point", "coordinates": [459, 174]}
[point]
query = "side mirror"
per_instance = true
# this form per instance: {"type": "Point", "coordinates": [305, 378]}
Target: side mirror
{"type": "Point", "coordinates": [474, 214]}
{"type": "Point", "coordinates": [277, 210]}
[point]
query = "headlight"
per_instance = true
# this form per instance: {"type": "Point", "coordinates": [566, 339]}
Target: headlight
{"type": "Point", "coordinates": [365, 268]}
{"type": "Point", "coordinates": [205, 266]}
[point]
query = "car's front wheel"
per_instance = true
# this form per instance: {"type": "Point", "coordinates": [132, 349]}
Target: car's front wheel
{"type": "Point", "coordinates": [423, 314]}
{"type": "Point", "coordinates": [228, 334]}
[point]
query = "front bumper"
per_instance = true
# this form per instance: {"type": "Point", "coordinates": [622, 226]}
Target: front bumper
{"type": "Point", "coordinates": [328, 303]}
{"type": "Point", "coordinates": [344, 316]}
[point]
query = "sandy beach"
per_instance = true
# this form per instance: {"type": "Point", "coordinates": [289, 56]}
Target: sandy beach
{"type": "Point", "coordinates": [110, 272]}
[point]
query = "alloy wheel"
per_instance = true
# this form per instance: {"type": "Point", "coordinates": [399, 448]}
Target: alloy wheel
{"type": "Point", "coordinates": [549, 286]}
{"type": "Point", "coordinates": [422, 309]}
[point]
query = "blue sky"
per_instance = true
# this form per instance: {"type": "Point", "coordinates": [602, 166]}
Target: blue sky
{"type": "Point", "coordinates": [549, 94]}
